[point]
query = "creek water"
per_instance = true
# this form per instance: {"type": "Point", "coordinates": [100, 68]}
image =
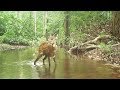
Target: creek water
{"type": "Point", "coordinates": [18, 64]}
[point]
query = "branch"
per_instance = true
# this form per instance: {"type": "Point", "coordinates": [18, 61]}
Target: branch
{"type": "Point", "coordinates": [87, 46]}
{"type": "Point", "coordinates": [94, 41]}
{"type": "Point", "coordinates": [115, 45]}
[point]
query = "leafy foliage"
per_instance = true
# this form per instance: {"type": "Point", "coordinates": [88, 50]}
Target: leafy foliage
{"type": "Point", "coordinates": [106, 48]}
{"type": "Point", "coordinates": [17, 27]}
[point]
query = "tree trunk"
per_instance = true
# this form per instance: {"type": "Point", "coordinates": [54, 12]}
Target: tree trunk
{"type": "Point", "coordinates": [116, 24]}
{"type": "Point", "coordinates": [30, 21]}
{"type": "Point", "coordinates": [45, 33]}
{"type": "Point", "coordinates": [34, 12]}
{"type": "Point", "coordinates": [67, 31]}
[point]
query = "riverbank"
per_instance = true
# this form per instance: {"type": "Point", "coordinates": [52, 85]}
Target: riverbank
{"type": "Point", "coordinates": [112, 58]}
{"type": "Point", "coordinates": [4, 47]}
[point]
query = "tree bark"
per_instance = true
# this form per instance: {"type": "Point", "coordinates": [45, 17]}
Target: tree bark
{"type": "Point", "coordinates": [45, 32]}
{"type": "Point", "coordinates": [116, 24]}
{"type": "Point", "coordinates": [66, 25]}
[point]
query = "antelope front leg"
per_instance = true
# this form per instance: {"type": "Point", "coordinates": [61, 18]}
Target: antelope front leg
{"type": "Point", "coordinates": [49, 61]}
{"type": "Point", "coordinates": [54, 59]}
{"type": "Point", "coordinates": [38, 57]}
{"type": "Point", "coordinates": [44, 60]}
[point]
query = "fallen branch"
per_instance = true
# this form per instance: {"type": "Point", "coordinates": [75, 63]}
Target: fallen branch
{"type": "Point", "coordinates": [99, 38]}
{"type": "Point", "coordinates": [87, 46]}
{"type": "Point", "coordinates": [115, 45]}
{"type": "Point", "coordinates": [91, 47]}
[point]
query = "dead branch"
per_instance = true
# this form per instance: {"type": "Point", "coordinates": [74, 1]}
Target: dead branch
{"type": "Point", "coordinates": [99, 38]}
{"type": "Point", "coordinates": [115, 45]}
{"type": "Point", "coordinates": [87, 46]}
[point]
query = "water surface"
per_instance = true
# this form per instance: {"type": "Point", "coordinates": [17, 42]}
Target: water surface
{"type": "Point", "coordinates": [18, 64]}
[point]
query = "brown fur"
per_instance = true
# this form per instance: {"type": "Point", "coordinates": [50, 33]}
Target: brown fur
{"type": "Point", "coordinates": [47, 49]}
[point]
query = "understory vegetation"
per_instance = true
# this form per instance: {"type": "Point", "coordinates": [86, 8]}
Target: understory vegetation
{"type": "Point", "coordinates": [29, 28]}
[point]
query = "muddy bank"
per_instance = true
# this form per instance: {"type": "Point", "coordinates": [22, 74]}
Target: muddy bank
{"type": "Point", "coordinates": [4, 47]}
{"type": "Point", "coordinates": [112, 58]}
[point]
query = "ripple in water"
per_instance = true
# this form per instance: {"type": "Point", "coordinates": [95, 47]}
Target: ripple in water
{"type": "Point", "coordinates": [31, 63]}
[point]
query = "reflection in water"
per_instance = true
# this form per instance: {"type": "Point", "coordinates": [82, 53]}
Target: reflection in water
{"type": "Point", "coordinates": [12, 64]}
{"type": "Point", "coordinates": [66, 67]}
{"type": "Point", "coordinates": [46, 72]}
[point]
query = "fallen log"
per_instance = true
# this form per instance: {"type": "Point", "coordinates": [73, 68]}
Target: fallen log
{"type": "Point", "coordinates": [87, 46]}
{"type": "Point", "coordinates": [99, 38]}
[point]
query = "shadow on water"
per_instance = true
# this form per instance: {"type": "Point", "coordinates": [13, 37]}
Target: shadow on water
{"type": "Point", "coordinates": [46, 72]}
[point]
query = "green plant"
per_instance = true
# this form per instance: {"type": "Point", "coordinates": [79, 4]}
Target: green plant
{"type": "Point", "coordinates": [105, 48]}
